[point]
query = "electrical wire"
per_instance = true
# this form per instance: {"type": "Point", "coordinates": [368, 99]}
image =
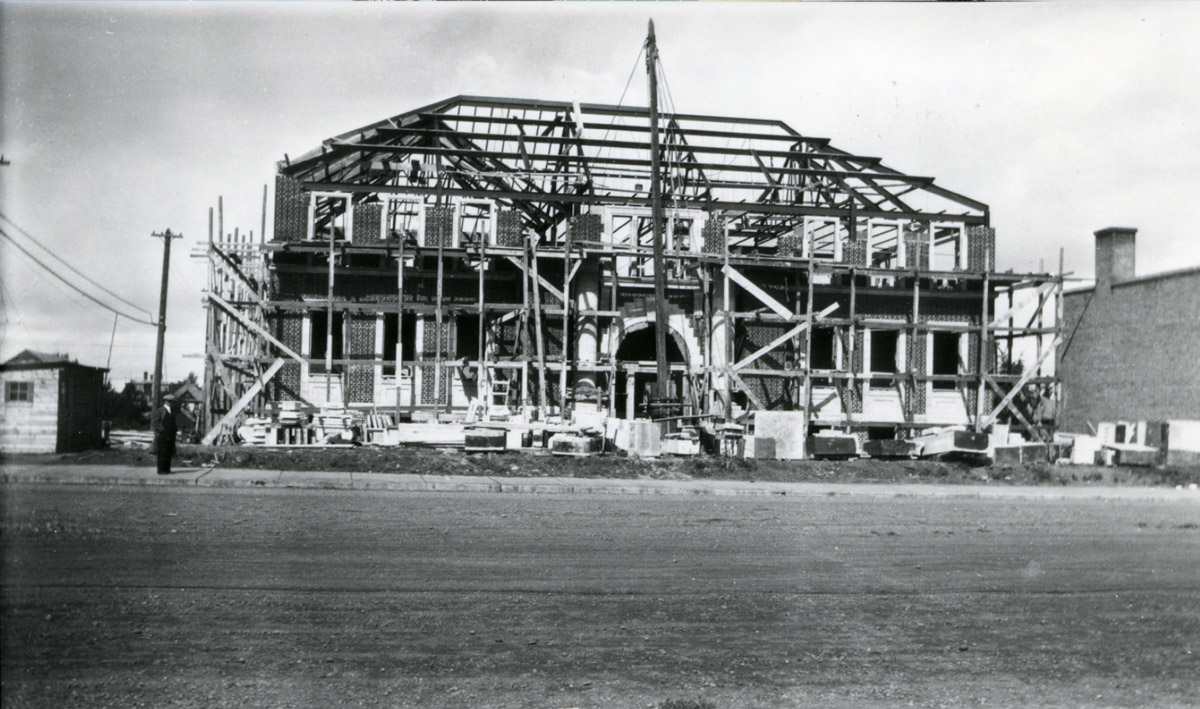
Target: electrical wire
{"type": "Point", "coordinates": [10, 302]}
{"type": "Point", "coordinates": [621, 102]}
{"type": "Point", "coordinates": [74, 287]}
{"type": "Point", "coordinates": [77, 272]}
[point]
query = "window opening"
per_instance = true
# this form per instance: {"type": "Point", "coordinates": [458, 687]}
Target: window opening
{"type": "Point", "coordinates": [822, 239]}
{"type": "Point", "coordinates": [945, 358]}
{"type": "Point", "coordinates": [884, 243]}
{"type": "Point", "coordinates": [316, 342]}
{"type": "Point", "coordinates": [402, 220]}
{"type": "Point", "coordinates": [18, 391]}
{"type": "Point", "coordinates": [466, 336]}
{"type": "Point", "coordinates": [393, 324]}
{"type": "Point", "coordinates": [946, 250]}
{"type": "Point", "coordinates": [329, 215]}
{"type": "Point", "coordinates": [474, 224]}
{"type": "Point", "coordinates": [823, 356]}
{"type": "Point", "coordinates": [884, 344]}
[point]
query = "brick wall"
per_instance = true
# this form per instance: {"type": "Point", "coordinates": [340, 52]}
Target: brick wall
{"type": "Point", "coordinates": [1134, 354]}
{"type": "Point", "coordinates": [287, 328]}
{"type": "Point", "coordinates": [291, 210]}
{"type": "Point", "coordinates": [439, 223]}
{"type": "Point", "coordinates": [586, 227]}
{"type": "Point", "coordinates": [361, 377]}
{"type": "Point", "coordinates": [714, 235]}
{"type": "Point", "coordinates": [508, 228]}
{"type": "Point", "coordinates": [981, 248]}
{"type": "Point", "coordinates": [367, 223]}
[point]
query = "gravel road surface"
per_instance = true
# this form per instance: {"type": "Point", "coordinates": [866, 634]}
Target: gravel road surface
{"type": "Point", "coordinates": [161, 597]}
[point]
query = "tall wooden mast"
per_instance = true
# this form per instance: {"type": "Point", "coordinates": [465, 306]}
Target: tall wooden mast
{"type": "Point", "coordinates": [656, 215]}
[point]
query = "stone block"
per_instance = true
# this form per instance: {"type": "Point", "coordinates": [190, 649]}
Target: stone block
{"type": "Point", "coordinates": [574, 444]}
{"type": "Point", "coordinates": [891, 449]}
{"type": "Point", "coordinates": [478, 440]}
{"type": "Point", "coordinates": [1007, 456]}
{"type": "Point", "coordinates": [1137, 457]}
{"type": "Point", "coordinates": [787, 430]}
{"type": "Point", "coordinates": [764, 448]}
{"type": "Point", "coordinates": [832, 446]}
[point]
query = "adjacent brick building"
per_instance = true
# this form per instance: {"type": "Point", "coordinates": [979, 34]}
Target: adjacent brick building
{"type": "Point", "coordinates": [1132, 349]}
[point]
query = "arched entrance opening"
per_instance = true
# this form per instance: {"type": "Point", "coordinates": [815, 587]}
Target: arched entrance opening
{"type": "Point", "coordinates": [636, 370]}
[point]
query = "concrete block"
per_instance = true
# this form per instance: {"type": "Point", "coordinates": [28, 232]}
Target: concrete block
{"type": "Point", "coordinates": [1156, 434]}
{"type": "Point", "coordinates": [574, 445]}
{"type": "Point", "coordinates": [786, 428]}
{"type": "Point", "coordinates": [1137, 457]}
{"type": "Point", "coordinates": [639, 437]}
{"type": "Point", "coordinates": [589, 417]}
{"type": "Point", "coordinates": [891, 449]}
{"type": "Point", "coordinates": [1084, 450]}
{"type": "Point", "coordinates": [970, 440]}
{"type": "Point", "coordinates": [680, 445]}
{"type": "Point", "coordinates": [478, 440]}
{"type": "Point", "coordinates": [1007, 456]}
{"type": "Point", "coordinates": [1182, 442]}
{"type": "Point", "coordinates": [764, 448]}
{"type": "Point", "coordinates": [832, 446]}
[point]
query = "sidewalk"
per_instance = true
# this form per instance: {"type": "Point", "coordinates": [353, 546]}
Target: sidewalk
{"type": "Point", "coordinates": [227, 477]}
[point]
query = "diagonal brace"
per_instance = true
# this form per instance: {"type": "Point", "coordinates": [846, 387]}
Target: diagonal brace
{"type": "Point", "coordinates": [783, 338]}
{"type": "Point", "coordinates": [780, 309]}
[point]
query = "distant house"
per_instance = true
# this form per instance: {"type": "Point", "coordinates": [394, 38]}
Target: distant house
{"type": "Point", "coordinates": [51, 404]}
{"type": "Point", "coordinates": [188, 397]}
{"type": "Point", "coordinates": [1132, 348]}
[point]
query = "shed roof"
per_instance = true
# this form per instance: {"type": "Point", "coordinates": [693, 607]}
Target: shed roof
{"type": "Point", "coordinates": [32, 359]}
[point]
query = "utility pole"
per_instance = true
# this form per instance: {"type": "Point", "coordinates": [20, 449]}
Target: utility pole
{"type": "Point", "coordinates": [660, 277]}
{"type": "Point", "coordinates": [166, 236]}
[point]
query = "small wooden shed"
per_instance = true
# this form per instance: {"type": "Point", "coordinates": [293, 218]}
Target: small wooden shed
{"type": "Point", "coordinates": [50, 404]}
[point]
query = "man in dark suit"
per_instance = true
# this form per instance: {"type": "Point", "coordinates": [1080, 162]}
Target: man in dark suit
{"type": "Point", "coordinates": [162, 422]}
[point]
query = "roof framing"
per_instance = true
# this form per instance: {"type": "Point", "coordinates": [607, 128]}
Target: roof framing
{"type": "Point", "coordinates": [543, 158]}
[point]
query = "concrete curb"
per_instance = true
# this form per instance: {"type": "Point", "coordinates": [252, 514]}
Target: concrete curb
{"type": "Point", "coordinates": [401, 482]}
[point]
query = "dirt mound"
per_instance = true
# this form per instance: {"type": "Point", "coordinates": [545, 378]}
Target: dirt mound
{"type": "Point", "coordinates": [429, 461]}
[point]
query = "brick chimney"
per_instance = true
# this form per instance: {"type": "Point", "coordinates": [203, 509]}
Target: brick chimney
{"type": "Point", "coordinates": [1114, 255]}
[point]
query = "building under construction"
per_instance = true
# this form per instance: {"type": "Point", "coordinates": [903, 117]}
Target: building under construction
{"type": "Point", "coordinates": [494, 259]}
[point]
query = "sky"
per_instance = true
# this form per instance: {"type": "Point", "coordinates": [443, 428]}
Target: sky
{"type": "Point", "coordinates": [121, 120]}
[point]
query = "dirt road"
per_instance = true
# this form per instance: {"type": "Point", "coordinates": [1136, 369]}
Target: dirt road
{"type": "Point", "coordinates": [172, 597]}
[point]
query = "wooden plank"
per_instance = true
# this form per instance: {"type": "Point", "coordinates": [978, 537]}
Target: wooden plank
{"type": "Point", "coordinates": [1006, 314]}
{"type": "Point", "coordinates": [241, 403]}
{"type": "Point", "coordinates": [253, 326]}
{"type": "Point", "coordinates": [779, 308]}
{"type": "Point", "coordinates": [539, 343]}
{"type": "Point", "coordinates": [542, 281]}
{"type": "Point", "coordinates": [987, 420]}
{"type": "Point", "coordinates": [758, 404]}
{"type": "Point", "coordinates": [1017, 412]}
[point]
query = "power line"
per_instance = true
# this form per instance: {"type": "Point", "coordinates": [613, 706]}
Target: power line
{"type": "Point", "coordinates": [82, 292]}
{"type": "Point", "coordinates": [10, 302]}
{"type": "Point", "coordinates": [82, 275]}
